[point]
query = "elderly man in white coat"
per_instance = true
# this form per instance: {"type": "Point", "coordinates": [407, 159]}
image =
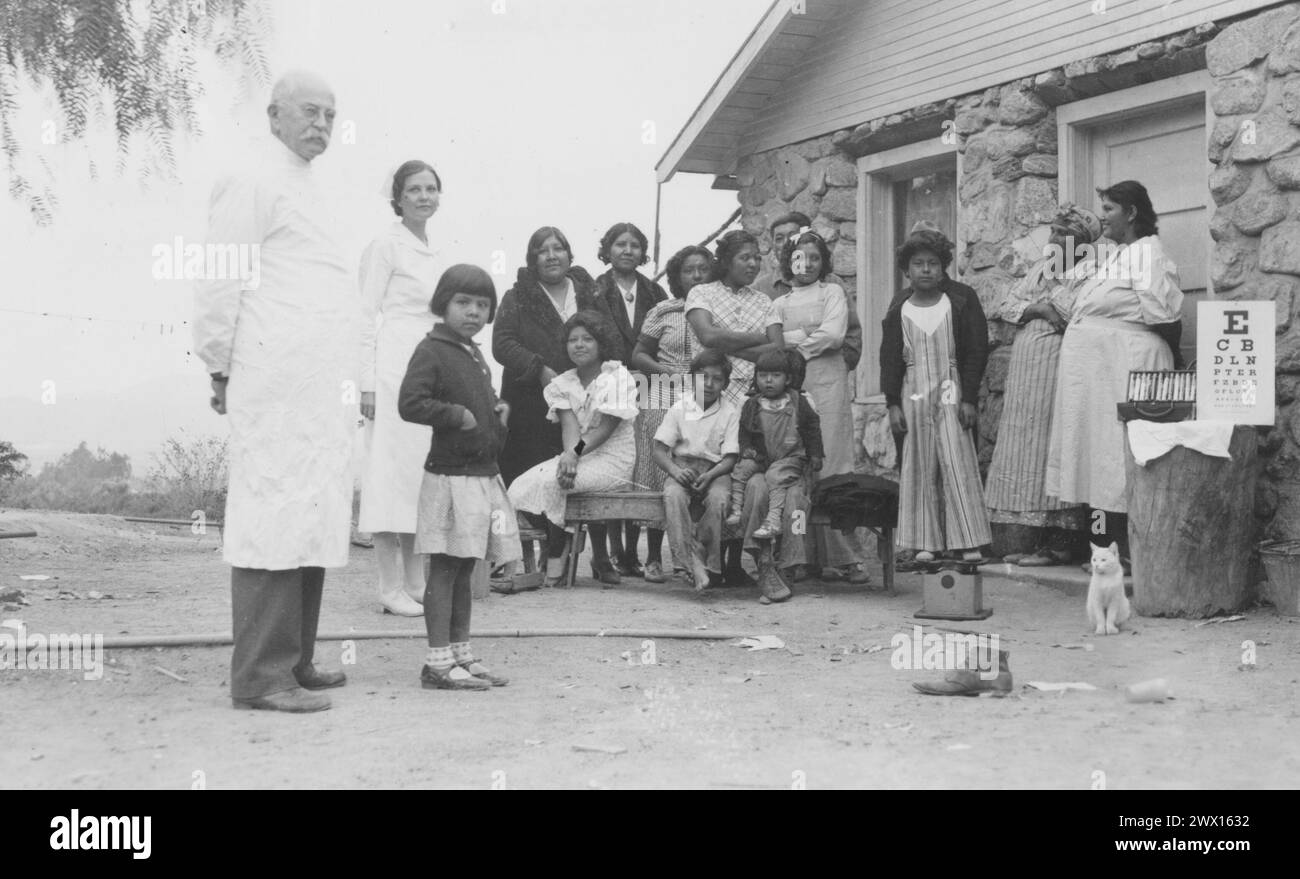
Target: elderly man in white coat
{"type": "Point", "coordinates": [280, 347]}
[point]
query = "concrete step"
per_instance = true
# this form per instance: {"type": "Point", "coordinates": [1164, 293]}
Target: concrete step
{"type": "Point", "coordinates": [1069, 579]}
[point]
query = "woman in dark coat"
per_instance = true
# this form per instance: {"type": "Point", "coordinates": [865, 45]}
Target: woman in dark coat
{"type": "Point", "coordinates": [527, 342]}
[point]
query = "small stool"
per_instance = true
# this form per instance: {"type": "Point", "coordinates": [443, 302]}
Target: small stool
{"type": "Point", "coordinates": [534, 570]}
{"type": "Point", "coordinates": [600, 506]}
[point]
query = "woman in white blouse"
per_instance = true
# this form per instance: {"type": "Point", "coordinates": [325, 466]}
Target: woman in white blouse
{"type": "Point", "coordinates": [1125, 304]}
{"type": "Point", "coordinates": [398, 274]}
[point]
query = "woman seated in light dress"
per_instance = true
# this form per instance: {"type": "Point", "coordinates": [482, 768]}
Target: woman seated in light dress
{"type": "Point", "coordinates": [595, 404]}
{"type": "Point", "coordinates": [1126, 313]}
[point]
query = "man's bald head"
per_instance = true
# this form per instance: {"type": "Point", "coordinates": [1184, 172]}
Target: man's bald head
{"type": "Point", "coordinates": [301, 112]}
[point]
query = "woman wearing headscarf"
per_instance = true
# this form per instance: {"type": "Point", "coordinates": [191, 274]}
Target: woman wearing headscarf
{"type": "Point", "coordinates": [1040, 303]}
{"type": "Point", "coordinates": [1125, 303]}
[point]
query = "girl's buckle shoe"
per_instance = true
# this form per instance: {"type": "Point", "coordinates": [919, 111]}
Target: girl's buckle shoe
{"type": "Point", "coordinates": [483, 674]}
{"type": "Point", "coordinates": [446, 679]}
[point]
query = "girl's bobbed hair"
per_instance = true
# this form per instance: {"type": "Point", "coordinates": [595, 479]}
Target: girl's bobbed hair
{"type": "Point", "coordinates": [1131, 194]}
{"type": "Point", "coordinates": [405, 172]}
{"type": "Point", "coordinates": [675, 263]}
{"type": "Point", "coordinates": [608, 342]}
{"type": "Point", "coordinates": [925, 241]}
{"type": "Point", "coordinates": [608, 239]}
{"type": "Point", "coordinates": [467, 279]}
{"type": "Point", "coordinates": [728, 246]}
{"type": "Point", "coordinates": [787, 254]}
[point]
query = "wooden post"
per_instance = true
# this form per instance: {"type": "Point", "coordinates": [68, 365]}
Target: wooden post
{"type": "Point", "coordinates": [1191, 526]}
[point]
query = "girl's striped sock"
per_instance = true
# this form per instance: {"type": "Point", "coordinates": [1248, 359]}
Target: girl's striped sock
{"type": "Point", "coordinates": [440, 657]}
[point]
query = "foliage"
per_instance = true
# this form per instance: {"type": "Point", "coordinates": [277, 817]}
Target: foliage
{"type": "Point", "coordinates": [133, 61]}
{"type": "Point", "coordinates": [194, 474]}
{"type": "Point", "coordinates": [187, 476]}
{"type": "Point", "coordinates": [13, 463]}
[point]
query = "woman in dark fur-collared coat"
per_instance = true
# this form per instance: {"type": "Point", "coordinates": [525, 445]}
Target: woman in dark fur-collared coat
{"type": "Point", "coordinates": [526, 341]}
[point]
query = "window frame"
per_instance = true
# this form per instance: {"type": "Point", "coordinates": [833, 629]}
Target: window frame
{"type": "Point", "coordinates": [876, 244]}
{"type": "Point", "coordinates": [1076, 120]}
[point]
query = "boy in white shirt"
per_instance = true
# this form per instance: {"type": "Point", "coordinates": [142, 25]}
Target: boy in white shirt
{"type": "Point", "coordinates": [697, 445]}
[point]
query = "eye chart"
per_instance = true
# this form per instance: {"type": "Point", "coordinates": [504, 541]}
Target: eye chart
{"type": "Point", "coordinates": [1235, 358]}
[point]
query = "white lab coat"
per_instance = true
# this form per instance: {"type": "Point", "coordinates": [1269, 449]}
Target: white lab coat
{"type": "Point", "coordinates": [289, 346]}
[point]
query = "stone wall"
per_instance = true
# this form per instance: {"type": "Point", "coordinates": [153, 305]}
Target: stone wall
{"type": "Point", "coordinates": [1006, 141]}
{"type": "Point", "coordinates": [1255, 184]}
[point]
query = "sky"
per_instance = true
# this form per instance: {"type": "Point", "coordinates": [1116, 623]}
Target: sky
{"type": "Point", "coordinates": [549, 112]}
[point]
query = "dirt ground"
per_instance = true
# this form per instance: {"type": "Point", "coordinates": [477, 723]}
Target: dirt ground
{"type": "Point", "coordinates": [826, 712]}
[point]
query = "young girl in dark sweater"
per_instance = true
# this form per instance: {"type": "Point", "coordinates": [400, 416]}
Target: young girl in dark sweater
{"type": "Point", "coordinates": [464, 513]}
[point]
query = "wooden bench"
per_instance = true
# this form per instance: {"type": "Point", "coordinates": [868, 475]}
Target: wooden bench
{"type": "Point", "coordinates": [598, 506]}
{"type": "Point", "coordinates": [582, 508]}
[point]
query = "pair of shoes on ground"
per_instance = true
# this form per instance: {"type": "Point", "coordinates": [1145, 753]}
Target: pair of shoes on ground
{"type": "Point", "coordinates": [467, 676]}
{"type": "Point", "coordinates": [300, 699]}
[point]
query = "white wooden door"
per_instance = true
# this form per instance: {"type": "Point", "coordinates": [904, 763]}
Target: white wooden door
{"type": "Point", "coordinates": [1163, 148]}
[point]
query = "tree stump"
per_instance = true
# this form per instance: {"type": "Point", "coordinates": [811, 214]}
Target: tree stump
{"type": "Point", "coordinates": [1191, 529]}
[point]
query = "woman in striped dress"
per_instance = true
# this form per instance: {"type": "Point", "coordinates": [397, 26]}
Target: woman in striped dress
{"type": "Point", "coordinates": [932, 357]}
{"type": "Point", "coordinates": [1041, 302]}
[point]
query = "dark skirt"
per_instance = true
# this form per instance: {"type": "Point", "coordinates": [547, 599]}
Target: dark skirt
{"type": "Point", "coordinates": [532, 439]}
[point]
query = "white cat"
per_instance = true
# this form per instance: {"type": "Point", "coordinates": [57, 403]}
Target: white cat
{"type": "Point", "coordinates": [1107, 603]}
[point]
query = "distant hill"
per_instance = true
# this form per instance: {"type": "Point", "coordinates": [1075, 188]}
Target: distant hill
{"type": "Point", "coordinates": [134, 422]}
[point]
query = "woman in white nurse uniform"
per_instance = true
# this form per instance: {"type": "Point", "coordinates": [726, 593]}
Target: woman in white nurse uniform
{"type": "Point", "coordinates": [398, 274]}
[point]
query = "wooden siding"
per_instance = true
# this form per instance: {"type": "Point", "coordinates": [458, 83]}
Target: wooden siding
{"type": "Point", "coordinates": [841, 64]}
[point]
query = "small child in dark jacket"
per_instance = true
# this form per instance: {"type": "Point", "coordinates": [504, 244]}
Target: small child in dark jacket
{"type": "Point", "coordinates": [780, 437]}
{"type": "Point", "coordinates": [464, 513]}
